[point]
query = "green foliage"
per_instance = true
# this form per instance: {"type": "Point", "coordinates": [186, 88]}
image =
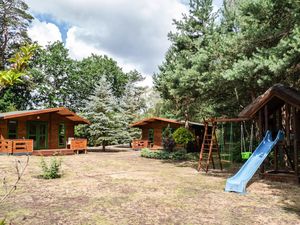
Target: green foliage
{"type": "Point", "coordinates": [51, 70]}
{"type": "Point", "coordinates": [51, 171]}
{"type": "Point", "coordinates": [178, 155]}
{"type": "Point", "coordinates": [215, 68]}
{"type": "Point", "coordinates": [147, 153]}
{"type": "Point", "coordinates": [14, 21]}
{"type": "Point", "coordinates": [165, 155]}
{"type": "Point", "coordinates": [183, 136]}
{"type": "Point", "coordinates": [2, 222]}
{"type": "Point", "coordinates": [20, 63]}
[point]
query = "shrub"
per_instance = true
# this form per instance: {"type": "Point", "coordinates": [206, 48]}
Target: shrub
{"type": "Point", "coordinates": [178, 155]}
{"type": "Point", "coordinates": [183, 136]}
{"type": "Point", "coordinates": [2, 222]}
{"type": "Point", "coordinates": [147, 153]}
{"type": "Point", "coordinates": [193, 156]}
{"type": "Point", "coordinates": [53, 170]}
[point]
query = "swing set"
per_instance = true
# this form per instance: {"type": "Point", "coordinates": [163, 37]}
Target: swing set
{"type": "Point", "coordinates": [224, 149]}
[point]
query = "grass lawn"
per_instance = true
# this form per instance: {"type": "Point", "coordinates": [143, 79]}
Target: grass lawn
{"type": "Point", "coordinates": [123, 188]}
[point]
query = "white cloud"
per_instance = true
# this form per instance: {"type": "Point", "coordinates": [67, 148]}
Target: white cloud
{"type": "Point", "coordinates": [44, 33]}
{"type": "Point", "coordinates": [133, 32]}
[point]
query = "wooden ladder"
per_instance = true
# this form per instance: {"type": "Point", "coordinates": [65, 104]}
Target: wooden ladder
{"type": "Point", "coordinates": [208, 147]}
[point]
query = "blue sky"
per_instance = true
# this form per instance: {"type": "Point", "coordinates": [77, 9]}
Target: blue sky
{"type": "Point", "coordinates": [133, 32]}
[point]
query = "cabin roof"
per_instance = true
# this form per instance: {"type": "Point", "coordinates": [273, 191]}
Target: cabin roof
{"type": "Point", "coordinates": [276, 95]}
{"type": "Point", "coordinates": [146, 121]}
{"type": "Point", "coordinates": [65, 112]}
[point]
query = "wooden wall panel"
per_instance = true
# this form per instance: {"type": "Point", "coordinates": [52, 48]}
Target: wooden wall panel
{"type": "Point", "coordinates": [145, 133]}
{"type": "Point", "coordinates": [158, 127]}
{"type": "Point", "coordinates": [3, 129]}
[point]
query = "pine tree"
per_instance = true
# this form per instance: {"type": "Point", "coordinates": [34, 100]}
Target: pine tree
{"type": "Point", "coordinates": [181, 76]}
{"type": "Point", "coordinates": [14, 21]}
{"type": "Point", "coordinates": [101, 111]}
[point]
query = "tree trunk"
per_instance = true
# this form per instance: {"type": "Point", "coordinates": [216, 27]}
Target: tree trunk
{"type": "Point", "coordinates": [103, 145]}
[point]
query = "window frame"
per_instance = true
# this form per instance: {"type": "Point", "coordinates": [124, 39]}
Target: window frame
{"type": "Point", "coordinates": [64, 135]}
{"type": "Point", "coordinates": [9, 133]}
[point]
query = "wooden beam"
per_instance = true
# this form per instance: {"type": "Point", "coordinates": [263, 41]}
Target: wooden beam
{"type": "Point", "coordinates": [220, 120]}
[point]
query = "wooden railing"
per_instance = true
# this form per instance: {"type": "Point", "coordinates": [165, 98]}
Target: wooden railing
{"type": "Point", "coordinates": [16, 146]}
{"type": "Point", "coordinates": [139, 144]}
{"type": "Point", "coordinates": [78, 145]}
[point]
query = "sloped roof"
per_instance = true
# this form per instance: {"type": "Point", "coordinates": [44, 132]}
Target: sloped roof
{"type": "Point", "coordinates": [146, 121]}
{"type": "Point", "coordinates": [279, 92]}
{"type": "Point", "coordinates": [65, 112]}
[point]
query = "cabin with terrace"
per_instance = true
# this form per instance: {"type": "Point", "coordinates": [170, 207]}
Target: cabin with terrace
{"type": "Point", "coordinates": [153, 129]}
{"type": "Point", "coordinates": [41, 132]}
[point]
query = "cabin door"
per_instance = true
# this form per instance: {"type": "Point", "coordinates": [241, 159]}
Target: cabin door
{"type": "Point", "coordinates": [38, 131]}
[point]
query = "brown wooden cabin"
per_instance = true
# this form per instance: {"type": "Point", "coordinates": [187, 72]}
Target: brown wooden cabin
{"type": "Point", "coordinates": [41, 132]}
{"type": "Point", "coordinates": [278, 108]}
{"type": "Point", "coordinates": [152, 132]}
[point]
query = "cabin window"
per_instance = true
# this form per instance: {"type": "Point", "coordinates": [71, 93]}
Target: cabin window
{"type": "Point", "coordinates": [151, 135]}
{"type": "Point", "coordinates": [62, 135]}
{"type": "Point", "coordinates": [12, 129]}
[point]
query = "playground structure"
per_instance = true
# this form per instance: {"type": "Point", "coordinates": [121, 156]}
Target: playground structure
{"type": "Point", "coordinates": [278, 109]}
{"type": "Point", "coordinates": [215, 146]}
{"type": "Point", "coordinates": [238, 182]}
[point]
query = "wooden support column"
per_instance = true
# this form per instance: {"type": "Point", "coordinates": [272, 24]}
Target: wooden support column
{"type": "Point", "coordinates": [296, 133]}
{"type": "Point", "coordinates": [260, 127]}
{"type": "Point", "coordinates": [266, 118]}
{"type": "Point", "coordinates": [278, 127]}
{"type": "Point", "coordinates": [287, 125]}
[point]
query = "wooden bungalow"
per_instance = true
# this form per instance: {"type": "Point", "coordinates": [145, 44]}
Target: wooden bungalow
{"type": "Point", "coordinates": [41, 132]}
{"type": "Point", "coordinates": [278, 109]}
{"type": "Point", "coordinates": [152, 132]}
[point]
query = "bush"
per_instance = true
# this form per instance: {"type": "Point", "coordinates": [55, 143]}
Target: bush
{"type": "Point", "coordinates": [52, 171]}
{"type": "Point", "coordinates": [147, 153]}
{"type": "Point", "coordinates": [2, 222]}
{"type": "Point", "coordinates": [178, 155]}
{"type": "Point", "coordinates": [193, 156]}
{"type": "Point", "coordinates": [183, 136]}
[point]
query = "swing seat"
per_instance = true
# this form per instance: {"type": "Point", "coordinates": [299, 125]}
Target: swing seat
{"type": "Point", "coordinates": [246, 155]}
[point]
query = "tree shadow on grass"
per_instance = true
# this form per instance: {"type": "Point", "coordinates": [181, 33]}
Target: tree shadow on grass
{"type": "Point", "coordinates": [289, 193]}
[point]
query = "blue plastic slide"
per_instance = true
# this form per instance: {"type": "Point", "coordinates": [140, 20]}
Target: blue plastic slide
{"type": "Point", "coordinates": [238, 182]}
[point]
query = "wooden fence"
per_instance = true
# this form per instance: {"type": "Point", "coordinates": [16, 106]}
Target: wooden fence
{"type": "Point", "coordinates": [139, 144]}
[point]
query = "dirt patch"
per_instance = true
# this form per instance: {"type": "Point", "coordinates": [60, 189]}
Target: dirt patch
{"type": "Point", "coordinates": [123, 188]}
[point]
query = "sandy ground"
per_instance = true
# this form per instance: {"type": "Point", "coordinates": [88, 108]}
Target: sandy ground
{"type": "Point", "coordinates": [123, 188]}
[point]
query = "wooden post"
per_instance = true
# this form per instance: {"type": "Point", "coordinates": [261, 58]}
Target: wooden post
{"type": "Point", "coordinates": [260, 126]}
{"type": "Point", "coordinates": [278, 127]}
{"type": "Point", "coordinates": [202, 146]}
{"type": "Point", "coordinates": [266, 118]}
{"type": "Point", "coordinates": [295, 129]}
{"type": "Point", "coordinates": [287, 125]}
